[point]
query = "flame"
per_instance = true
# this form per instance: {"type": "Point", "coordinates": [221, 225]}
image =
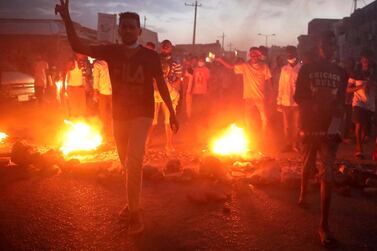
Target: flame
{"type": "Point", "coordinates": [3, 136]}
{"type": "Point", "coordinates": [210, 58]}
{"type": "Point", "coordinates": [80, 137]}
{"type": "Point", "coordinates": [233, 142]}
{"type": "Point", "coordinates": [59, 87]}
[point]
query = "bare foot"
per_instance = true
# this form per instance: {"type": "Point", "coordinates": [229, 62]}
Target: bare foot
{"type": "Point", "coordinates": [124, 215]}
{"type": "Point", "coordinates": [326, 238]}
{"type": "Point", "coordinates": [302, 202]}
{"type": "Point", "coordinates": [136, 225]}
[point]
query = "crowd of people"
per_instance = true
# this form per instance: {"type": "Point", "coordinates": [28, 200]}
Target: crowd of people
{"type": "Point", "coordinates": [317, 98]}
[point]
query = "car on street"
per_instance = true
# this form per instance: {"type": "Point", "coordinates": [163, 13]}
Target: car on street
{"type": "Point", "coordinates": [15, 85]}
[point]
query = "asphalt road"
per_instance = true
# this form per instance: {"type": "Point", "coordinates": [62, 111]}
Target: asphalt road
{"type": "Point", "coordinates": [81, 213]}
{"type": "Point", "coordinates": [67, 213]}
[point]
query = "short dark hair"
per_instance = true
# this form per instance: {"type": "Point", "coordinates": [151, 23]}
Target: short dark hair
{"type": "Point", "coordinates": [367, 53]}
{"type": "Point", "coordinates": [290, 49]}
{"type": "Point", "coordinates": [151, 44]}
{"type": "Point", "coordinates": [254, 49]}
{"type": "Point", "coordinates": [130, 15]}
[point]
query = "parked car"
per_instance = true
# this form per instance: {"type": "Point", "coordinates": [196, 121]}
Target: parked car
{"type": "Point", "coordinates": [17, 86]}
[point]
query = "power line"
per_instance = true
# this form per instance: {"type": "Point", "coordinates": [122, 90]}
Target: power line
{"type": "Point", "coordinates": [266, 36]}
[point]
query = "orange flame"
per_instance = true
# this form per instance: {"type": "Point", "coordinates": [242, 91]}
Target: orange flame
{"type": "Point", "coordinates": [233, 142]}
{"type": "Point", "coordinates": [80, 137]}
{"type": "Point", "coordinates": [3, 136]}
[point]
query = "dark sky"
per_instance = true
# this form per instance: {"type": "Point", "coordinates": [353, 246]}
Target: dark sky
{"type": "Point", "coordinates": [240, 20]}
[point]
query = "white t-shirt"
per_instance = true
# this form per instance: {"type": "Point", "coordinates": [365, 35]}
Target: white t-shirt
{"type": "Point", "coordinates": [254, 79]}
{"type": "Point", "coordinates": [364, 97]}
{"type": "Point", "coordinates": [287, 85]}
{"type": "Point", "coordinates": [101, 77]}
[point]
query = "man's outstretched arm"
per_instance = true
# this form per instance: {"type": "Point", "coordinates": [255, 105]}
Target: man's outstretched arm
{"type": "Point", "coordinates": [76, 43]}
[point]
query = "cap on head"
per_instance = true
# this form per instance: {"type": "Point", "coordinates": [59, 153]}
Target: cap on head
{"type": "Point", "coordinates": [166, 43]}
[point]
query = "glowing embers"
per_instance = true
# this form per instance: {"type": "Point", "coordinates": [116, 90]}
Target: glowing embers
{"type": "Point", "coordinates": [3, 136]}
{"type": "Point", "coordinates": [233, 142]}
{"type": "Point", "coordinates": [80, 137]}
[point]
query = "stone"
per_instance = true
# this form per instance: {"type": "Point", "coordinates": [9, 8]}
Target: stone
{"type": "Point", "coordinates": [269, 172]}
{"type": "Point", "coordinates": [24, 154]}
{"type": "Point", "coordinates": [173, 166]}
{"type": "Point", "coordinates": [152, 173]}
{"type": "Point", "coordinates": [212, 167]}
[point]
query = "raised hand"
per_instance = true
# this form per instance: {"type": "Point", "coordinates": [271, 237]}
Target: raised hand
{"type": "Point", "coordinates": [62, 9]}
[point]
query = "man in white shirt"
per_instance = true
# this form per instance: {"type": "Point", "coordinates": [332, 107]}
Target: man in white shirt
{"type": "Point", "coordinates": [256, 80]}
{"type": "Point", "coordinates": [285, 102]}
{"type": "Point", "coordinates": [75, 87]}
{"type": "Point", "coordinates": [102, 94]}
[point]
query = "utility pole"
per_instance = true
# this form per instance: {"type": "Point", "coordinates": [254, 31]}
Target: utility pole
{"type": "Point", "coordinates": [145, 21]}
{"type": "Point", "coordinates": [266, 36]}
{"type": "Point", "coordinates": [354, 5]}
{"type": "Point", "coordinates": [222, 40]}
{"type": "Point", "coordinates": [195, 5]}
{"type": "Point", "coordinates": [230, 46]}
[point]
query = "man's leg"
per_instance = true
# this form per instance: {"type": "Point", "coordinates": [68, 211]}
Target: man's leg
{"type": "Point", "coordinates": [296, 129]}
{"type": "Point", "coordinates": [121, 133]}
{"type": "Point", "coordinates": [248, 114]}
{"type": "Point", "coordinates": [102, 112]}
{"type": "Point", "coordinates": [189, 105]}
{"type": "Point", "coordinates": [286, 123]}
{"type": "Point", "coordinates": [157, 107]}
{"type": "Point", "coordinates": [357, 117]}
{"type": "Point", "coordinates": [109, 117]}
{"type": "Point", "coordinates": [327, 153]}
{"type": "Point", "coordinates": [138, 132]}
{"type": "Point", "coordinates": [262, 109]}
{"type": "Point", "coordinates": [309, 157]}
{"type": "Point", "coordinates": [168, 132]}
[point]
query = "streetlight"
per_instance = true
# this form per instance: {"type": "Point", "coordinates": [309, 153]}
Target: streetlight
{"type": "Point", "coordinates": [266, 37]}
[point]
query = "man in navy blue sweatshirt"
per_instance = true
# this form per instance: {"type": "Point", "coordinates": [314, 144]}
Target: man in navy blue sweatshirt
{"type": "Point", "coordinates": [320, 94]}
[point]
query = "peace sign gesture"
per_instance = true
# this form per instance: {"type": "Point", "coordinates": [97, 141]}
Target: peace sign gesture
{"type": "Point", "coordinates": [62, 9]}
